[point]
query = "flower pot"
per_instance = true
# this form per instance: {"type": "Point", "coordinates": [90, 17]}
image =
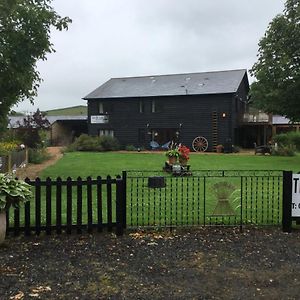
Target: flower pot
{"type": "Point", "coordinates": [183, 161]}
{"type": "Point", "coordinates": [2, 226]}
{"type": "Point", "coordinates": [172, 160]}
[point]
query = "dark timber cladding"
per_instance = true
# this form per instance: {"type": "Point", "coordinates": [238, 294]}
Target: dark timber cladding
{"type": "Point", "coordinates": [137, 110]}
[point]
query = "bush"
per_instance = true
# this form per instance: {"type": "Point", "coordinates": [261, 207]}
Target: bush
{"type": "Point", "coordinates": [86, 143]}
{"type": "Point", "coordinates": [282, 139]}
{"type": "Point", "coordinates": [295, 139]}
{"type": "Point", "coordinates": [130, 148]}
{"type": "Point", "coordinates": [91, 143]}
{"type": "Point", "coordinates": [109, 143]}
{"type": "Point", "coordinates": [287, 139]}
{"type": "Point", "coordinates": [284, 150]}
{"type": "Point", "coordinates": [7, 147]}
{"type": "Point", "coordinates": [37, 156]}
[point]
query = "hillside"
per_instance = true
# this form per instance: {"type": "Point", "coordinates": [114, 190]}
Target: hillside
{"type": "Point", "coordinates": [68, 111]}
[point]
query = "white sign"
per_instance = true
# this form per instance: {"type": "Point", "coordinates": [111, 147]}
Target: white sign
{"type": "Point", "coordinates": [102, 119]}
{"type": "Point", "coordinates": [296, 196]}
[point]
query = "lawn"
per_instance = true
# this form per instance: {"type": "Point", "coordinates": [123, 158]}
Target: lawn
{"type": "Point", "coordinates": [85, 164]}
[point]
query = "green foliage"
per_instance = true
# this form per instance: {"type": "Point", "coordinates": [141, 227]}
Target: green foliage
{"type": "Point", "coordinates": [288, 139]}
{"type": "Point", "coordinates": [277, 71]}
{"type": "Point", "coordinates": [85, 143]}
{"type": "Point", "coordinates": [92, 143]}
{"type": "Point", "coordinates": [172, 153]}
{"type": "Point", "coordinates": [109, 143]}
{"type": "Point", "coordinates": [288, 150]}
{"type": "Point", "coordinates": [37, 156]}
{"type": "Point", "coordinates": [7, 147]}
{"type": "Point", "coordinates": [24, 39]}
{"type": "Point", "coordinates": [13, 192]}
{"type": "Point", "coordinates": [130, 148]}
{"type": "Point", "coordinates": [32, 131]}
{"type": "Point", "coordinates": [282, 139]}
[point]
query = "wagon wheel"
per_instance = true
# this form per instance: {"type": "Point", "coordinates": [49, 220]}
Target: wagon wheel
{"type": "Point", "coordinates": [200, 144]}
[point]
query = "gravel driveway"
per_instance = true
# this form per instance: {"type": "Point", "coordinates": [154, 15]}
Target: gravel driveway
{"type": "Point", "coordinates": [202, 263]}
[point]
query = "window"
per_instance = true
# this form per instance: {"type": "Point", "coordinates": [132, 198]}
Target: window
{"type": "Point", "coordinates": [104, 108]}
{"type": "Point", "coordinates": [153, 106]}
{"type": "Point", "coordinates": [100, 108]}
{"type": "Point", "coordinates": [156, 107]}
{"type": "Point", "coordinates": [106, 132]}
{"type": "Point", "coordinates": [141, 107]}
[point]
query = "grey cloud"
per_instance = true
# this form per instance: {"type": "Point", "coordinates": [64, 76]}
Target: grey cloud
{"type": "Point", "coordinates": [114, 38]}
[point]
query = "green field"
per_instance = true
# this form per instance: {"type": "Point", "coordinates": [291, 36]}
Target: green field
{"type": "Point", "coordinates": [68, 111]}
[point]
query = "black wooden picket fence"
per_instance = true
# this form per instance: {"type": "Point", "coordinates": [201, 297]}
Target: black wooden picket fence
{"type": "Point", "coordinates": [58, 206]}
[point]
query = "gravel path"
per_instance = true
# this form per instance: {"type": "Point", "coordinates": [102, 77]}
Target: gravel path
{"type": "Point", "coordinates": [204, 263]}
{"type": "Point", "coordinates": [33, 170]}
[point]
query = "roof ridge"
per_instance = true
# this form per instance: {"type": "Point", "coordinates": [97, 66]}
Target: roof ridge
{"type": "Point", "coordinates": [176, 74]}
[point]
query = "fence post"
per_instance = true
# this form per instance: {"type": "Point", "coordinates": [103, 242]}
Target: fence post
{"type": "Point", "coordinates": [124, 199]}
{"type": "Point", "coordinates": [287, 201]}
{"type": "Point", "coordinates": [9, 165]}
{"type": "Point", "coordinates": [119, 210]}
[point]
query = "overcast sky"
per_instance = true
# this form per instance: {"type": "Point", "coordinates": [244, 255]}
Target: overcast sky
{"type": "Point", "coordinates": [116, 38]}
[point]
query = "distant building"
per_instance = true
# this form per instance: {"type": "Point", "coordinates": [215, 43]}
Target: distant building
{"type": "Point", "coordinates": [63, 129]}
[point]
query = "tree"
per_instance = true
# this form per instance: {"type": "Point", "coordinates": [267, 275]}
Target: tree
{"type": "Point", "coordinates": [24, 39]}
{"type": "Point", "coordinates": [31, 129]}
{"type": "Point", "coordinates": [277, 71]}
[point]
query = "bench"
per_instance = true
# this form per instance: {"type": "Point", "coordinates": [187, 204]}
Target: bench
{"type": "Point", "coordinates": [263, 149]}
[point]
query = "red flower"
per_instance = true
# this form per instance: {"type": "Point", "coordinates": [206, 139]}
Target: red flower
{"type": "Point", "coordinates": [184, 152]}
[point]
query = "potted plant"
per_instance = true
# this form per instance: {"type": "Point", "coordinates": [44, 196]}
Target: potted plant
{"type": "Point", "coordinates": [184, 155]}
{"type": "Point", "coordinates": [219, 148]}
{"type": "Point", "coordinates": [172, 155]}
{"type": "Point", "coordinates": [13, 192]}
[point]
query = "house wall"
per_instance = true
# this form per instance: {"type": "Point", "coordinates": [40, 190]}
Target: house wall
{"type": "Point", "coordinates": [193, 112]}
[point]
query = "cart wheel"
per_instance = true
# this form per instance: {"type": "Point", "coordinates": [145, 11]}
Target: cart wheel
{"type": "Point", "coordinates": [200, 144]}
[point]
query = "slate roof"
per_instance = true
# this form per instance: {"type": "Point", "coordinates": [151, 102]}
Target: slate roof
{"type": "Point", "coordinates": [218, 82]}
{"type": "Point", "coordinates": [14, 121]}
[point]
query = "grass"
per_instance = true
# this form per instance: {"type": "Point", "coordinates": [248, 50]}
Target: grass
{"type": "Point", "coordinates": [68, 111]}
{"type": "Point", "coordinates": [85, 164]}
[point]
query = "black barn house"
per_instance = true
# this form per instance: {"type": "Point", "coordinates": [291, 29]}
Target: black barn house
{"type": "Point", "coordinates": [137, 110]}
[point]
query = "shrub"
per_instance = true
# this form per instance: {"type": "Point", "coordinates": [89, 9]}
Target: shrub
{"type": "Point", "coordinates": [7, 147]}
{"type": "Point", "coordinates": [288, 150]}
{"type": "Point", "coordinates": [130, 148]}
{"type": "Point", "coordinates": [91, 143]}
{"type": "Point", "coordinates": [86, 143]}
{"type": "Point", "coordinates": [288, 139]}
{"type": "Point", "coordinates": [109, 143]}
{"type": "Point", "coordinates": [282, 139]}
{"type": "Point", "coordinates": [37, 156]}
{"type": "Point", "coordinates": [295, 139]}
